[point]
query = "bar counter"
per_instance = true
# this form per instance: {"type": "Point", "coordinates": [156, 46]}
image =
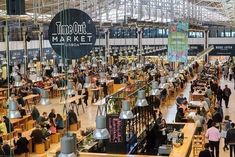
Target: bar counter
{"type": "Point", "coordinates": [181, 151]}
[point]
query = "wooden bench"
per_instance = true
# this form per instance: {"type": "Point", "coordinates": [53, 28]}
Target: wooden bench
{"type": "Point", "coordinates": [55, 138]}
{"type": "Point", "coordinates": [198, 144]}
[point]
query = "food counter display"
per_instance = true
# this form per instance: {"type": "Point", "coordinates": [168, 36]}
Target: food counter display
{"type": "Point", "coordinates": [182, 148]}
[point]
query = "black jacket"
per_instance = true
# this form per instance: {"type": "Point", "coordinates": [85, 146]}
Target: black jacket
{"type": "Point", "coordinates": [231, 136]}
{"type": "Point", "coordinates": [37, 136]}
{"type": "Point", "coordinates": [205, 153]}
{"type": "Point", "coordinates": [21, 146]}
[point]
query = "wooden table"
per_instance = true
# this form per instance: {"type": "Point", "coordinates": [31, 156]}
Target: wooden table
{"type": "Point", "coordinates": [70, 101]}
{"type": "Point", "coordinates": [2, 100]}
{"type": "Point", "coordinates": [17, 122]}
{"type": "Point", "coordinates": [29, 97]}
{"type": "Point", "coordinates": [3, 91]}
{"type": "Point", "coordinates": [197, 96]}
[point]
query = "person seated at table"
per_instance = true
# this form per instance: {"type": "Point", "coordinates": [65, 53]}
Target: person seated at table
{"type": "Point", "coordinates": [21, 110]}
{"type": "Point", "coordinates": [208, 91]}
{"type": "Point", "coordinates": [217, 116]}
{"type": "Point", "coordinates": [1, 138]}
{"type": "Point", "coordinates": [59, 122]}
{"type": "Point", "coordinates": [203, 104]}
{"type": "Point", "coordinates": [86, 94]}
{"type": "Point", "coordinates": [179, 115]}
{"type": "Point", "coordinates": [207, 100]}
{"type": "Point", "coordinates": [52, 114]}
{"type": "Point", "coordinates": [23, 92]}
{"type": "Point", "coordinates": [52, 126]}
{"type": "Point", "coordinates": [21, 144]}
{"type": "Point", "coordinates": [3, 127]}
{"type": "Point", "coordinates": [43, 118]}
{"type": "Point", "coordinates": [199, 120]}
{"type": "Point", "coordinates": [45, 131]}
{"type": "Point", "coordinates": [20, 100]}
{"type": "Point", "coordinates": [35, 113]}
{"type": "Point", "coordinates": [37, 136]}
{"type": "Point", "coordinates": [159, 118]}
{"type": "Point", "coordinates": [95, 94]}
{"type": "Point", "coordinates": [105, 89]}
{"type": "Point", "coordinates": [72, 117]}
{"type": "Point", "coordinates": [180, 99]}
{"type": "Point", "coordinates": [163, 132]}
{"type": "Point", "coordinates": [8, 124]}
{"type": "Point", "coordinates": [183, 105]}
{"type": "Point", "coordinates": [7, 150]}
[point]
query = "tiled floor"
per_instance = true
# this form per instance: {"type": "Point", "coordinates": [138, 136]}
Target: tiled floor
{"type": "Point", "coordinates": [168, 110]}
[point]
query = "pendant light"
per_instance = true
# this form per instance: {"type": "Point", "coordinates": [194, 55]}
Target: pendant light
{"type": "Point", "coordinates": [155, 91]}
{"type": "Point", "coordinates": [13, 109]}
{"type": "Point", "coordinates": [17, 80]}
{"type": "Point", "coordinates": [61, 64]}
{"type": "Point", "coordinates": [114, 72]}
{"type": "Point", "coordinates": [38, 77]}
{"type": "Point", "coordinates": [70, 71]}
{"type": "Point", "coordinates": [35, 58]}
{"type": "Point", "coordinates": [101, 132]}
{"type": "Point", "coordinates": [44, 97]}
{"type": "Point", "coordinates": [141, 100]}
{"type": "Point", "coordinates": [126, 113]}
{"type": "Point", "coordinates": [14, 73]}
{"type": "Point", "coordinates": [87, 83]}
{"type": "Point", "coordinates": [102, 77]}
{"type": "Point", "coordinates": [31, 64]}
{"type": "Point", "coordinates": [133, 66]}
{"type": "Point", "coordinates": [94, 62]}
{"type": "Point", "coordinates": [55, 72]}
{"type": "Point", "coordinates": [82, 67]}
{"type": "Point", "coordinates": [67, 146]}
{"type": "Point", "coordinates": [70, 91]}
{"type": "Point", "coordinates": [4, 61]}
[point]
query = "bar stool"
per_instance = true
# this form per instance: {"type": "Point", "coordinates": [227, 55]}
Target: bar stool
{"type": "Point", "coordinates": [39, 148]}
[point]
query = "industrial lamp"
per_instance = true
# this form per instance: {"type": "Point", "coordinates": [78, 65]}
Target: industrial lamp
{"type": "Point", "coordinates": [141, 100]}
{"type": "Point", "coordinates": [13, 110]}
{"type": "Point", "coordinates": [67, 145]}
{"type": "Point", "coordinates": [70, 71]}
{"type": "Point", "coordinates": [101, 132]}
{"type": "Point", "coordinates": [70, 90]}
{"type": "Point", "coordinates": [155, 91]}
{"type": "Point", "coordinates": [102, 77]}
{"type": "Point", "coordinates": [44, 97]}
{"type": "Point", "coordinates": [87, 82]}
{"type": "Point", "coordinates": [17, 82]}
{"type": "Point", "coordinates": [126, 113]}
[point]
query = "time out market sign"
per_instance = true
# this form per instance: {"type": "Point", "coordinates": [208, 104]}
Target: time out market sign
{"type": "Point", "coordinates": [72, 33]}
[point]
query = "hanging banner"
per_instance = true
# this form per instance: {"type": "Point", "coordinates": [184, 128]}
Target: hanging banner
{"type": "Point", "coordinates": [72, 33]}
{"type": "Point", "coordinates": [178, 42]}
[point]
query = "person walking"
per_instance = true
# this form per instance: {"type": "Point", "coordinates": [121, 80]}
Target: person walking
{"type": "Point", "coordinates": [206, 152]}
{"type": "Point", "coordinates": [226, 95]}
{"type": "Point", "coordinates": [225, 127]}
{"type": "Point", "coordinates": [219, 95]}
{"type": "Point", "coordinates": [213, 136]}
{"type": "Point", "coordinates": [230, 138]}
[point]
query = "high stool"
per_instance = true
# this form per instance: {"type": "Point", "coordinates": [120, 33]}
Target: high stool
{"type": "Point", "coordinates": [47, 144]}
{"type": "Point", "coordinates": [30, 124]}
{"type": "Point", "coordinates": [198, 144]}
{"type": "Point", "coordinates": [55, 138]}
{"type": "Point", "coordinates": [39, 148]}
{"type": "Point", "coordinates": [61, 131]}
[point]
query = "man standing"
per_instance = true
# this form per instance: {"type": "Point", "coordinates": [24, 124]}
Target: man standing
{"type": "Point", "coordinates": [213, 136]}
{"type": "Point", "coordinates": [230, 139]}
{"type": "Point", "coordinates": [226, 95]}
{"type": "Point", "coordinates": [206, 152]}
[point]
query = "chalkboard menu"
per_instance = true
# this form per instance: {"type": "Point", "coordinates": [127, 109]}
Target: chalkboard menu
{"type": "Point", "coordinates": [117, 131]}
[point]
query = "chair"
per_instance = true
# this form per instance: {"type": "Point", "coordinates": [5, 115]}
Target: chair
{"type": "Point", "coordinates": [198, 144]}
{"type": "Point", "coordinates": [55, 138]}
{"type": "Point", "coordinates": [39, 148]}
{"type": "Point", "coordinates": [47, 144]}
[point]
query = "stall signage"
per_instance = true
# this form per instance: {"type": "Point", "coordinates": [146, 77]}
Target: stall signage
{"type": "Point", "coordinates": [72, 33]}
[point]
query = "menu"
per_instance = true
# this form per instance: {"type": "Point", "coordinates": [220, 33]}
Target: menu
{"type": "Point", "coordinates": [116, 129]}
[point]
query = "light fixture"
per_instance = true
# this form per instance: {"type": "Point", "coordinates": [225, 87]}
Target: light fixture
{"type": "Point", "coordinates": [101, 132]}
{"type": "Point", "coordinates": [55, 72]}
{"type": "Point", "coordinates": [35, 58]}
{"type": "Point", "coordinates": [44, 97]}
{"type": "Point", "coordinates": [70, 91]}
{"type": "Point", "coordinates": [61, 64]}
{"type": "Point", "coordinates": [31, 64]}
{"type": "Point", "coordinates": [82, 67]}
{"type": "Point", "coordinates": [14, 73]}
{"type": "Point", "coordinates": [87, 82]}
{"type": "Point", "coordinates": [133, 66]}
{"type": "Point", "coordinates": [38, 77]}
{"type": "Point", "coordinates": [141, 100]}
{"type": "Point", "coordinates": [70, 71]}
{"type": "Point", "coordinates": [4, 61]}
{"type": "Point", "coordinates": [13, 109]}
{"type": "Point", "coordinates": [47, 67]}
{"type": "Point", "coordinates": [17, 82]}
{"type": "Point", "coordinates": [155, 91]}
{"type": "Point", "coordinates": [94, 62]}
{"type": "Point", "coordinates": [126, 113]}
{"type": "Point", "coordinates": [67, 146]}
{"type": "Point", "coordinates": [102, 77]}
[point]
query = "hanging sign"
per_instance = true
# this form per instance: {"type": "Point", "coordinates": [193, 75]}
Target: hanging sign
{"type": "Point", "coordinates": [72, 33]}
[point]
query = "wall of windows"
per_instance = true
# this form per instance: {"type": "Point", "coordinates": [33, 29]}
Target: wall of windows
{"type": "Point", "coordinates": [221, 32]}
{"type": "Point", "coordinates": [123, 32]}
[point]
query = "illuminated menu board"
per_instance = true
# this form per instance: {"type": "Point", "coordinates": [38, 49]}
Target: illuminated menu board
{"type": "Point", "coordinates": [116, 129]}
